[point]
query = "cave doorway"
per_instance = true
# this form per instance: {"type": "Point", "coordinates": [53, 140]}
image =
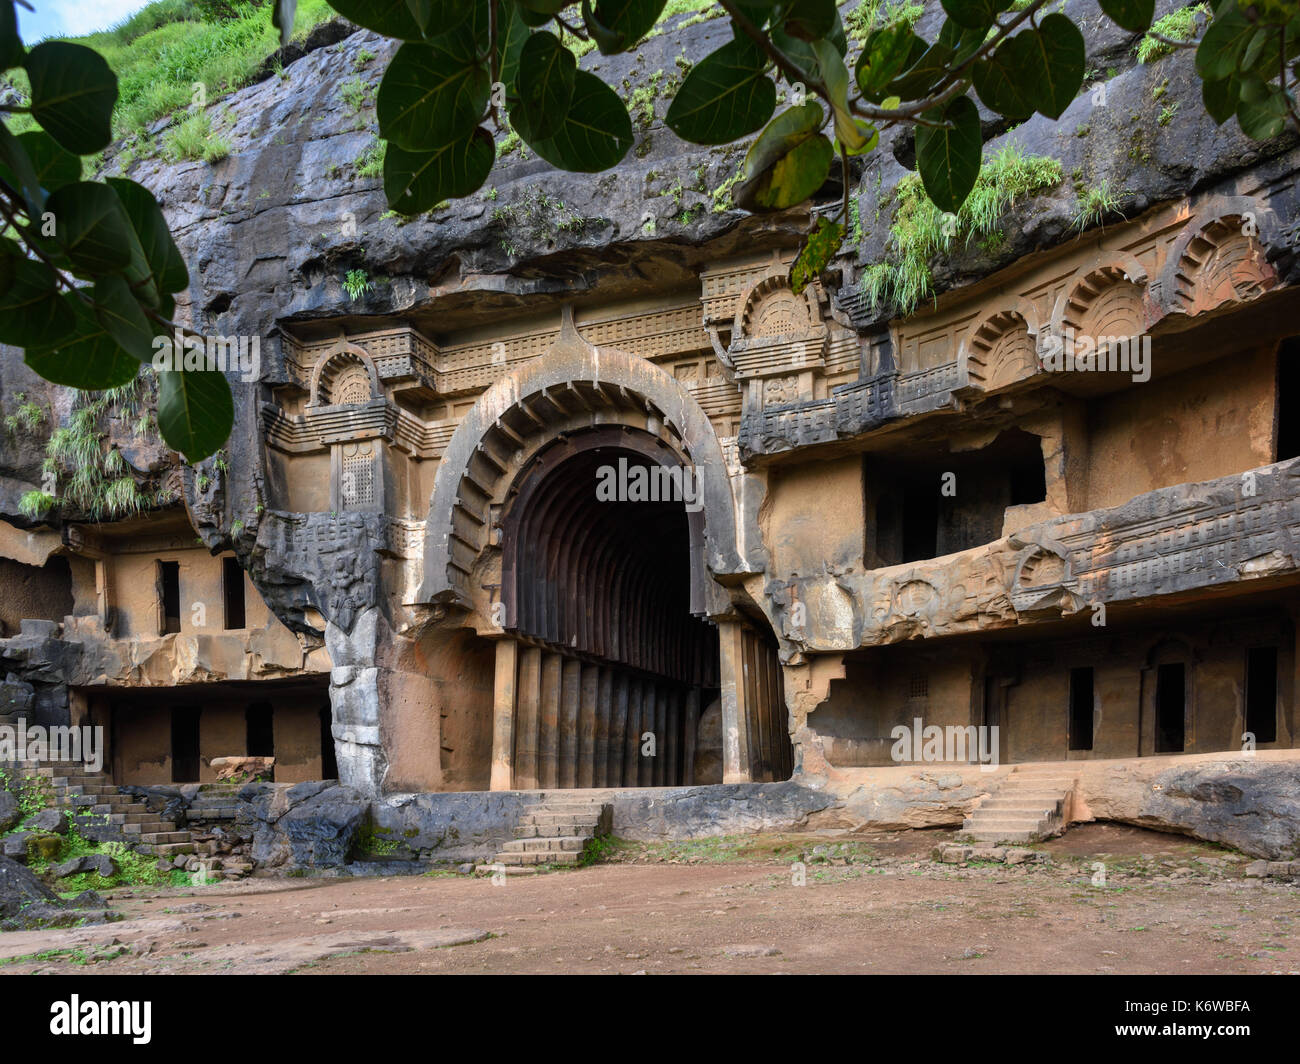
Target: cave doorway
{"type": "Point", "coordinates": [610, 660]}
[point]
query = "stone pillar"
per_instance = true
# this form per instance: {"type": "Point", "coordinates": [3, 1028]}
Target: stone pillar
{"type": "Point", "coordinates": [503, 716]}
{"type": "Point", "coordinates": [604, 726]}
{"type": "Point", "coordinates": [527, 723]}
{"type": "Point", "coordinates": [690, 728]}
{"type": "Point", "coordinates": [548, 742]}
{"type": "Point", "coordinates": [588, 724]}
{"type": "Point", "coordinates": [735, 712]}
{"type": "Point", "coordinates": [570, 703]}
{"type": "Point", "coordinates": [355, 698]}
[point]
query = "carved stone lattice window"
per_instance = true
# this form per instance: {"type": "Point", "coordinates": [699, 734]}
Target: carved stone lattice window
{"type": "Point", "coordinates": [351, 386]}
{"type": "Point", "coordinates": [781, 314]}
{"type": "Point", "coordinates": [357, 487]}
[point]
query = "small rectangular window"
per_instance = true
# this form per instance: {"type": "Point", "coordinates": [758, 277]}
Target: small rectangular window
{"type": "Point", "coordinates": [1261, 693]}
{"type": "Point", "coordinates": [1081, 709]}
{"type": "Point", "coordinates": [169, 597]}
{"type": "Point", "coordinates": [232, 581]}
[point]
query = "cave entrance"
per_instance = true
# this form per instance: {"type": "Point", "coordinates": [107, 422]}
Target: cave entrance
{"type": "Point", "coordinates": [609, 662]}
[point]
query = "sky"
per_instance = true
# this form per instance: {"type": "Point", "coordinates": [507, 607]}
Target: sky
{"type": "Point", "coordinates": [71, 18]}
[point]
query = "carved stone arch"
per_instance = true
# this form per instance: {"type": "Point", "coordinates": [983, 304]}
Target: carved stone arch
{"type": "Point", "coordinates": [1220, 257]}
{"type": "Point", "coordinates": [572, 388]}
{"type": "Point", "coordinates": [1171, 649]}
{"type": "Point", "coordinates": [999, 350]}
{"type": "Point", "coordinates": [1105, 299]}
{"type": "Point", "coordinates": [770, 308]}
{"type": "Point", "coordinates": [1042, 567]}
{"type": "Point", "coordinates": [346, 374]}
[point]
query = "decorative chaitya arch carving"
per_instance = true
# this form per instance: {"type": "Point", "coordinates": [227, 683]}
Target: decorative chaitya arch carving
{"type": "Point", "coordinates": [1104, 300]}
{"type": "Point", "coordinates": [345, 375]}
{"type": "Point", "coordinates": [1220, 257]}
{"type": "Point", "coordinates": [770, 308]}
{"type": "Point", "coordinates": [1000, 349]}
{"type": "Point", "coordinates": [573, 386]}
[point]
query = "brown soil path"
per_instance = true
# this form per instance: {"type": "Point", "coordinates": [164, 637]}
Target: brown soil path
{"type": "Point", "coordinates": [871, 905]}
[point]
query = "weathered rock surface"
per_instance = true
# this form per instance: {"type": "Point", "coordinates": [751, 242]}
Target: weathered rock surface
{"type": "Point", "coordinates": [308, 825]}
{"type": "Point", "coordinates": [10, 814]}
{"type": "Point", "coordinates": [724, 809]}
{"type": "Point", "coordinates": [917, 799]}
{"type": "Point", "coordinates": [20, 888]}
{"type": "Point", "coordinates": [99, 863]}
{"type": "Point", "coordinates": [49, 821]}
{"type": "Point", "coordinates": [1250, 804]}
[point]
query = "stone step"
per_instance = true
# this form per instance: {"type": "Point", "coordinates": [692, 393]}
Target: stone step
{"type": "Point", "coordinates": [1009, 823]}
{"type": "Point", "coordinates": [554, 857]}
{"type": "Point", "coordinates": [156, 838]}
{"type": "Point", "coordinates": [540, 819]}
{"type": "Point", "coordinates": [562, 828]}
{"type": "Point", "coordinates": [1001, 836]}
{"type": "Point", "coordinates": [552, 845]}
{"type": "Point", "coordinates": [166, 849]}
{"type": "Point", "coordinates": [1016, 802]}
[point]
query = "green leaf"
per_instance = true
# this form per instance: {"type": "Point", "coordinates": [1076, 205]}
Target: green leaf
{"type": "Point", "coordinates": [926, 71]}
{"type": "Point", "coordinates": [544, 87]}
{"type": "Point", "coordinates": [421, 10]}
{"type": "Point", "coordinates": [886, 54]}
{"type": "Point", "coordinates": [514, 36]}
{"type": "Point", "coordinates": [855, 136]}
{"type": "Point", "coordinates": [1054, 60]}
{"type": "Point", "coordinates": [1262, 111]}
{"type": "Point", "coordinates": [119, 313]}
{"type": "Point", "coordinates": [596, 133]}
{"type": "Point", "coordinates": [1220, 51]}
{"type": "Point", "coordinates": [282, 19]}
{"type": "Point", "coordinates": [195, 411]}
{"type": "Point", "coordinates": [419, 181]}
{"type": "Point", "coordinates": [432, 94]}
{"type": "Point", "coordinates": [89, 358]}
{"type": "Point", "coordinates": [999, 82]}
{"type": "Point", "coordinates": [17, 168]}
{"type": "Point", "coordinates": [1036, 70]}
{"type": "Point", "coordinates": [974, 14]}
{"type": "Point", "coordinates": [1132, 15]}
{"type": "Point", "coordinates": [91, 226]}
{"type": "Point", "coordinates": [963, 42]}
{"type": "Point", "coordinates": [787, 163]}
{"type": "Point", "coordinates": [161, 255]}
{"type": "Point", "coordinates": [949, 158]}
{"type": "Point", "coordinates": [32, 313]}
{"type": "Point", "coordinates": [11, 44]}
{"type": "Point", "coordinates": [392, 18]}
{"type": "Point", "coordinates": [726, 96]}
{"type": "Point", "coordinates": [809, 20]}
{"type": "Point", "coordinates": [1221, 98]}
{"type": "Point", "coordinates": [73, 95]}
{"type": "Point", "coordinates": [617, 25]}
{"type": "Point", "coordinates": [54, 167]}
{"type": "Point", "coordinates": [814, 256]}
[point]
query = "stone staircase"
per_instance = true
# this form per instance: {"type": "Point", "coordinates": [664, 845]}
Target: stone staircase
{"type": "Point", "coordinates": [557, 829]}
{"type": "Point", "coordinates": [117, 817]}
{"type": "Point", "coordinates": [1029, 806]}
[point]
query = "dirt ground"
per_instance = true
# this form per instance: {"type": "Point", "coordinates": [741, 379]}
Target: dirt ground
{"type": "Point", "coordinates": [871, 904]}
